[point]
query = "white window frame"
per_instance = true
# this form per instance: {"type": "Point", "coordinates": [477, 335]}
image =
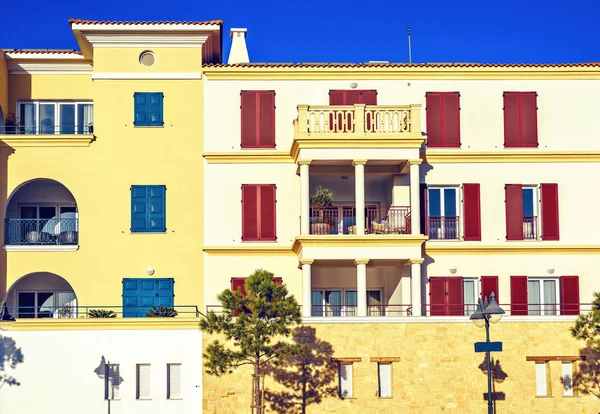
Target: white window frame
{"type": "Point", "coordinates": [536, 210]}
{"type": "Point", "coordinates": [380, 380]}
{"type": "Point", "coordinates": [57, 105]}
{"type": "Point", "coordinates": [541, 379]}
{"type": "Point", "coordinates": [112, 391]}
{"type": "Point", "coordinates": [169, 379]}
{"type": "Point", "coordinates": [556, 305]}
{"type": "Point", "coordinates": [567, 378]}
{"type": "Point", "coordinates": [469, 309]}
{"type": "Point", "coordinates": [142, 370]}
{"type": "Point", "coordinates": [36, 303]}
{"type": "Point", "coordinates": [344, 308]}
{"type": "Point", "coordinates": [349, 392]}
{"type": "Point", "coordinates": [459, 206]}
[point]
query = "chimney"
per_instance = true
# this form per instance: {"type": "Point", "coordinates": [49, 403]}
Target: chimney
{"type": "Point", "coordinates": [239, 51]}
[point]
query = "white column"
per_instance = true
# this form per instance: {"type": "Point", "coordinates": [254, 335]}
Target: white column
{"type": "Point", "coordinates": [306, 287]}
{"type": "Point", "coordinates": [304, 197]}
{"type": "Point", "coordinates": [359, 181]}
{"type": "Point", "coordinates": [415, 197]}
{"type": "Point", "coordinates": [361, 286]}
{"type": "Point", "coordinates": [415, 286]}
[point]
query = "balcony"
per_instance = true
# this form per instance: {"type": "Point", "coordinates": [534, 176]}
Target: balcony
{"type": "Point", "coordinates": [358, 121]}
{"type": "Point", "coordinates": [342, 220]}
{"type": "Point", "coordinates": [530, 228]}
{"type": "Point", "coordinates": [41, 215]}
{"type": "Point", "coordinates": [444, 228]}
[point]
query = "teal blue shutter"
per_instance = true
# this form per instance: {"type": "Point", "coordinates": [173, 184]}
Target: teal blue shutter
{"type": "Point", "coordinates": [156, 207]}
{"type": "Point", "coordinates": [130, 298]}
{"type": "Point", "coordinates": [155, 109]}
{"type": "Point", "coordinates": [141, 109]}
{"type": "Point", "coordinates": [165, 292]}
{"type": "Point", "coordinates": [139, 209]}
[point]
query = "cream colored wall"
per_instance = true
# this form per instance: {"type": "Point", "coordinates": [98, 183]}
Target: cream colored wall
{"type": "Point", "coordinates": [100, 177]}
{"type": "Point", "coordinates": [565, 108]}
{"type": "Point", "coordinates": [169, 60]}
{"type": "Point", "coordinates": [505, 266]}
{"type": "Point", "coordinates": [574, 198]}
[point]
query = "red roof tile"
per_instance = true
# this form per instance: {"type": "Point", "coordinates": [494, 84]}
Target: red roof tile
{"type": "Point", "coordinates": [404, 65]}
{"type": "Point", "coordinates": [43, 51]}
{"type": "Point", "coordinates": [140, 23]}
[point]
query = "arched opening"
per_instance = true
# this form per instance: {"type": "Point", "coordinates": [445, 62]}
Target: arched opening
{"type": "Point", "coordinates": [42, 295]}
{"type": "Point", "coordinates": [41, 212]}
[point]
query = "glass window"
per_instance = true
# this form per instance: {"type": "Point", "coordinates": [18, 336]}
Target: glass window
{"type": "Point", "coordinates": [528, 202]}
{"type": "Point", "coordinates": [470, 295]}
{"type": "Point", "coordinates": [443, 213]}
{"type": "Point", "coordinates": [26, 305]}
{"type": "Point", "coordinates": [542, 297]}
{"type": "Point", "coordinates": [28, 118]}
{"type": "Point", "coordinates": [67, 118]}
{"type": "Point", "coordinates": [47, 118]}
{"type": "Point", "coordinates": [317, 303]}
{"type": "Point", "coordinates": [85, 118]}
{"type": "Point", "coordinates": [333, 302]}
{"type": "Point", "coordinates": [345, 380]}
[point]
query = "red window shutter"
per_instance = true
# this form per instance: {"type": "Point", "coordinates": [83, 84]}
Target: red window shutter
{"type": "Point", "coordinates": [238, 283]}
{"type": "Point", "coordinates": [369, 97]}
{"type": "Point", "coordinates": [455, 296]}
{"type": "Point", "coordinates": [529, 128]}
{"type": "Point", "coordinates": [249, 119]}
{"type": "Point", "coordinates": [451, 119]}
{"type": "Point", "coordinates": [278, 280]}
{"type": "Point", "coordinates": [250, 212]}
{"type": "Point", "coordinates": [489, 284]}
{"type": "Point", "coordinates": [472, 212]}
{"type": "Point", "coordinates": [518, 295]}
{"type": "Point", "coordinates": [512, 119]}
{"type": "Point", "coordinates": [434, 119]}
{"type": "Point", "coordinates": [267, 212]}
{"type": "Point", "coordinates": [352, 97]}
{"type": "Point", "coordinates": [266, 119]}
{"type": "Point", "coordinates": [550, 212]}
{"type": "Point", "coordinates": [569, 295]}
{"type": "Point", "coordinates": [437, 296]}
{"type": "Point", "coordinates": [514, 211]}
{"type": "Point", "coordinates": [337, 97]}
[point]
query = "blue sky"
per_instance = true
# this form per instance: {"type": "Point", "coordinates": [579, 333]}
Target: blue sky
{"type": "Point", "coordinates": [508, 31]}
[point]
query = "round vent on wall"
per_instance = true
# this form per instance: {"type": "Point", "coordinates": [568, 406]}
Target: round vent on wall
{"type": "Point", "coordinates": [147, 58]}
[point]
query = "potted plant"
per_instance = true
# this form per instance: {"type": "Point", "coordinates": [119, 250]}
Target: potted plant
{"type": "Point", "coordinates": [11, 124]}
{"type": "Point", "coordinates": [161, 312]}
{"type": "Point", "coordinates": [101, 313]}
{"type": "Point", "coordinates": [319, 201]}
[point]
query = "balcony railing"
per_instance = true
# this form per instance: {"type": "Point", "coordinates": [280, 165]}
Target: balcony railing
{"type": "Point", "coordinates": [342, 220]}
{"type": "Point", "coordinates": [525, 309]}
{"type": "Point", "coordinates": [443, 228]}
{"type": "Point", "coordinates": [345, 310]}
{"type": "Point", "coordinates": [530, 228]}
{"type": "Point", "coordinates": [358, 121]}
{"type": "Point", "coordinates": [54, 231]}
{"type": "Point", "coordinates": [91, 312]}
{"type": "Point", "coordinates": [49, 129]}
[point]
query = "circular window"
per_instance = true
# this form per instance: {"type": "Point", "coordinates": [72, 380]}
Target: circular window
{"type": "Point", "coordinates": [147, 58]}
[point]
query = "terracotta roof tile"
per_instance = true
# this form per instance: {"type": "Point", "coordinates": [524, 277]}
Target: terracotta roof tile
{"type": "Point", "coordinates": [140, 23]}
{"type": "Point", "coordinates": [404, 65]}
{"type": "Point", "coordinates": [43, 51]}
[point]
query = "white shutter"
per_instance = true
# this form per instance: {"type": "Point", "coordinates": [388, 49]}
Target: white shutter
{"type": "Point", "coordinates": [143, 381]}
{"type": "Point", "coordinates": [173, 381]}
{"type": "Point", "coordinates": [345, 385]}
{"type": "Point", "coordinates": [567, 378]}
{"type": "Point", "coordinates": [384, 375]}
{"type": "Point", "coordinates": [540, 379]}
{"type": "Point", "coordinates": [113, 380]}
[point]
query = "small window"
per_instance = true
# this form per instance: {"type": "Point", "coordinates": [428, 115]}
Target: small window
{"type": "Point", "coordinates": [148, 109]}
{"type": "Point", "coordinates": [345, 380]}
{"type": "Point", "coordinates": [384, 378]}
{"type": "Point", "coordinates": [541, 389]}
{"type": "Point", "coordinates": [148, 208]}
{"type": "Point", "coordinates": [173, 381]}
{"type": "Point", "coordinates": [542, 296]}
{"type": "Point", "coordinates": [112, 381]}
{"type": "Point", "coordinates": [470, 295]}
{"type": "Point", "coordinates": [443, 213]}
{"type": "Point", "coordinates": [147, 58]}
{"type": "Point", "coordinates": [143, 381]}
{"type": "Point", "coordinates": [529, 213]}
{"type": "Point", "coordinates": [567, 379]}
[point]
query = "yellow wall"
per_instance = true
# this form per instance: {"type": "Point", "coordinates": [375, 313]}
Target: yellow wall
{"type": "Point", "coordinates": [100, 176]}
{"type": "Point", "coordinates": [438, 371]}
{"type": "Point", "coordinates": [184, 59]}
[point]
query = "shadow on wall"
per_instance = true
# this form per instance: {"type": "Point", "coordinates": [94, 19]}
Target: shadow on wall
{"type": "Point", "coordinates": [498, 376]}
{"type": "Point", "coordinates": [112, 385]}
{"type": "Point", "coordinates": [308, 378]}
{"type": "Point", "coordinates": [5, 151]}
{"type": "Point", "coordinates": [586, 378]}
{"type": "Point", "coordinates": [10, 357]}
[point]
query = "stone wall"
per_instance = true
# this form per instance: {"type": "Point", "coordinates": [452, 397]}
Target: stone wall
{"type": "Point", "coordinates": [438, 369]}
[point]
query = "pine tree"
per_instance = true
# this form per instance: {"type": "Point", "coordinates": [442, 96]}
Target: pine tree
{"type": "Point", "coordinates": [254, 325]}
{"type": "Point", "coordinates": [587, 328]}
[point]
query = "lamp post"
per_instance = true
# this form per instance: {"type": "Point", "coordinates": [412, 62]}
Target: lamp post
{"type": "Point", "coordinates": [482, 316]}
{"type": "Point", "coordinates": [6, 319]}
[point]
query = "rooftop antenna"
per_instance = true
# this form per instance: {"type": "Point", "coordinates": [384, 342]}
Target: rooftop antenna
{"type": "Point", "coordinates": [409, 48]}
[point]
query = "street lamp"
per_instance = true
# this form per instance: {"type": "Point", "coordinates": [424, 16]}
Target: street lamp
{"type": "Point", "coordinates": [6, 319]}
{"type": "Point", "coordinates": [482, 316]}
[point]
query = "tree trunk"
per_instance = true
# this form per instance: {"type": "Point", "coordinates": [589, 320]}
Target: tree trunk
{"type": "Point", "coordinates": [256, 390]}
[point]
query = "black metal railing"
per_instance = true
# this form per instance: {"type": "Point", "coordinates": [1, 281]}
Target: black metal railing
{"type": "Point", "coordinates": [57, 230]}
{"type": "Point", "coordinates": [92, 312]}
{"type": "Point", "coordinates": [443, 228]}
{"type": "Point", "coordinates": [48, 129]}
